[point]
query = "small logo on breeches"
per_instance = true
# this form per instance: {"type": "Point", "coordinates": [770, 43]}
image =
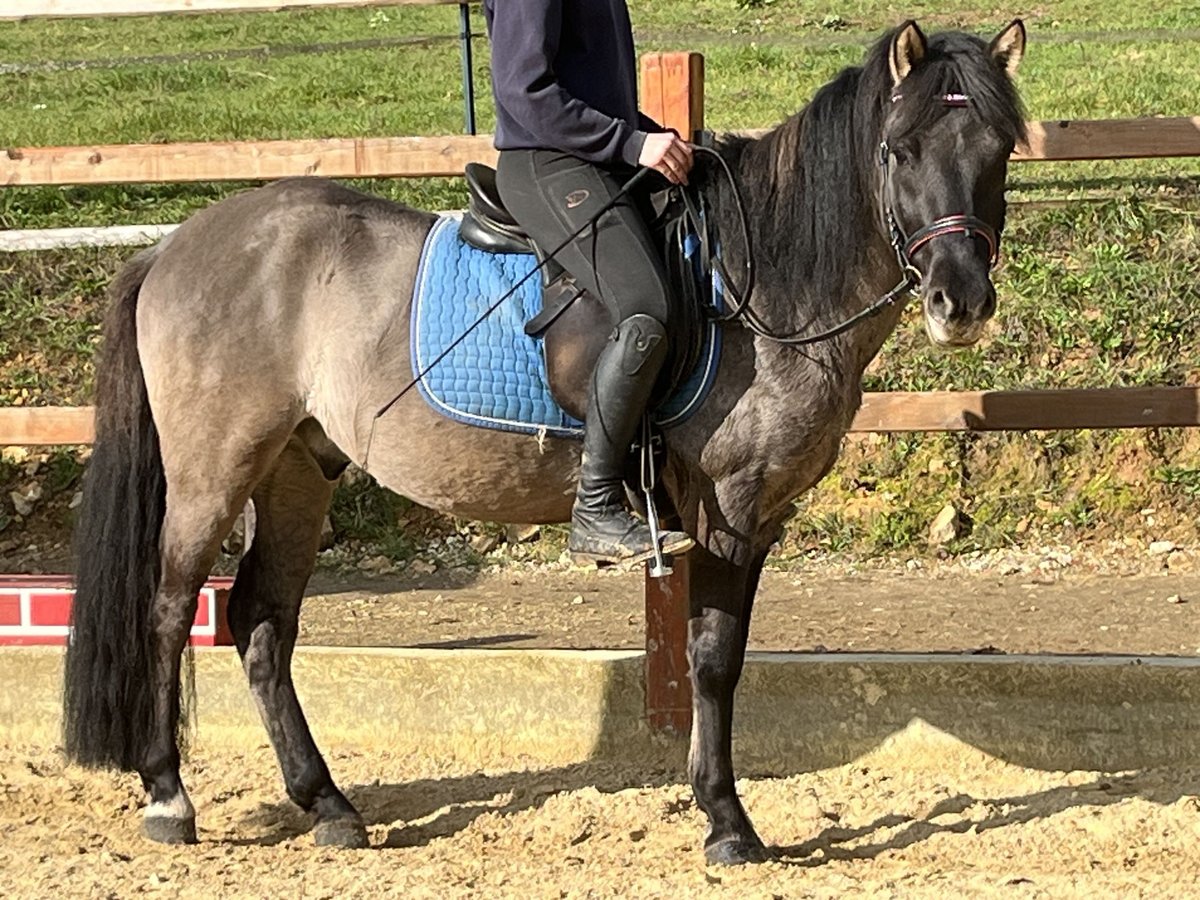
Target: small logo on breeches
{"type": "Point", "coordinates": [575, 198]}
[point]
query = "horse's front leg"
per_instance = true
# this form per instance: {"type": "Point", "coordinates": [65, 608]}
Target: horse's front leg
{"type": "Point", "coordinates": [722, 596]}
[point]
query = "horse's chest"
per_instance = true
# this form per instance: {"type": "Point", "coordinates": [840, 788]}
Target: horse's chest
{"type": "Point", "coordinates": [803, 434]}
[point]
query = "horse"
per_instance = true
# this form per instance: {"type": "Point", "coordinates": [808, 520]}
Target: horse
{"type": "Point", "coordinates": [247, 355]}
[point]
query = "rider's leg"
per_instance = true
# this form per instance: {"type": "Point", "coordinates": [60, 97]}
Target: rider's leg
{"type": "Point", "coordinates": [601, 528]}
{"type": "Point", "coordinates": [552, 195]}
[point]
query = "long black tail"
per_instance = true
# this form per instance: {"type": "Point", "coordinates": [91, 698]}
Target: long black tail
{"type": "Point", "coordinates": [108, 701]}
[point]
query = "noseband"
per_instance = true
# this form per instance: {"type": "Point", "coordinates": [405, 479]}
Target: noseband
{"type": "Point", "coordinates": [960, 223]}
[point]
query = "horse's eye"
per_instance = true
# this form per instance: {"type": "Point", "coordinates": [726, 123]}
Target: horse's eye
{"type": "Point", "coordinates": [900, 155]}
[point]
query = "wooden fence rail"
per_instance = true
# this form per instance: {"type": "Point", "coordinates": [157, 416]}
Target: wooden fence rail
{"type": "Point", "coordinates": [244, 160]}
{"type": "Point", "coordinates": [883, 412]}
{"type": "Point", "coordinates": [412, 157]}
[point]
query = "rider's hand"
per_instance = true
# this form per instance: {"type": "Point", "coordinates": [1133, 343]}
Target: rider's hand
{"type": "Point", "coordinates": [667, 154]}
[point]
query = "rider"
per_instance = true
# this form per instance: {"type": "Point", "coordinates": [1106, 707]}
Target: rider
{"type": "Point", "coordinates": [569, 133]}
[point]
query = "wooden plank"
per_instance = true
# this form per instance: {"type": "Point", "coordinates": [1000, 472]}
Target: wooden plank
{"type": "Point", "coordinates": [672, 93]}
{"type": "Point", "coordinates": [446, 156]}
{"type": "Point", "coordinates": [48, 425]}
{"type": "Point", "coordinates": [1098, 139]}
{"type": "Point", "coordinates": [18, 240]}
{"type": "Point", "coordinates": [244, 160]}
{"type": "Point", "coordinates": [1051, 410]}
{"type": "Point", "coordinates": [1085, 139]}
{"type": "Point", "coordinates": [672, 90]}
{"type": "Point", "coordinates": [34, 9]}
{"type": "Point", "coordinates": [894, 411]}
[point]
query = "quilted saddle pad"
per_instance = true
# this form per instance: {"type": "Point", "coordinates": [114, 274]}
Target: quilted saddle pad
{"type": "Point", "coordinates": [495, 375]}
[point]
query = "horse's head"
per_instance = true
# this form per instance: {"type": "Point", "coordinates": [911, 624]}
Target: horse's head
{"type": "Point", "coordinates": [951, 122]}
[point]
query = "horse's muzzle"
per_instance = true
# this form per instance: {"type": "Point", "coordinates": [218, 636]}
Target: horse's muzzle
{"type": "Point", "coordinates": [958, 318]}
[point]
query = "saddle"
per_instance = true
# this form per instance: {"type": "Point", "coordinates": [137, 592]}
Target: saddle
{"type": "Point", "coordinates": [573, 324]}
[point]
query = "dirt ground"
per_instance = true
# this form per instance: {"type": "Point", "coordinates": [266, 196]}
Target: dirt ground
{"type": "Point", "coordinates": [947, 609]}
{"type": "Point", "coordinates": [894, 823]}
{"type": "Point", "coordinates": [967, 825]}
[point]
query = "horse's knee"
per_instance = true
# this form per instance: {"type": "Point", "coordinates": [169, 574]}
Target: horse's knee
{"type": "Point", "coordinates": [262, 659]}
{"type": "Point", "coordinates": [716, 662]}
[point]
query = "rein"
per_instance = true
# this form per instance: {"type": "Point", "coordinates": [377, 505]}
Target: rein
{"type": "Point", "coordinates": [903, 245]}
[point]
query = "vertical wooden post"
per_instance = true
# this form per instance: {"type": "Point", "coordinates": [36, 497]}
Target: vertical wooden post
{"type": "Point", "coordinates": [224, 634]}
{"type": "Point", "coordinates": [673, 95]}
{"type": "Point", "coordinates": [668, 682]}
{"type": "Point", "coordinates": [673, 91]}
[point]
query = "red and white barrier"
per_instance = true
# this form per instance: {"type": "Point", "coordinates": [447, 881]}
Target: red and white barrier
{"type": "Point", "coordinates": [36, 609]}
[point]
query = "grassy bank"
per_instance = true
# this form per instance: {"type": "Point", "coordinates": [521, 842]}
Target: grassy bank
{"type": "Point", "coordinates": [1092, 294]}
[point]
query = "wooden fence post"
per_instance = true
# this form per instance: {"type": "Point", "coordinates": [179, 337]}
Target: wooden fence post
{"type": "Point", "coordinates": [672, 95]}
{"type": "Point", "coordinates": [673, 91]}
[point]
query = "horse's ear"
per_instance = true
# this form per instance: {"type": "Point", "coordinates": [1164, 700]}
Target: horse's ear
{"type": "Point", "coordinates": [1008, 47]}
{"type": "Point", "coordinates": [907, 50]}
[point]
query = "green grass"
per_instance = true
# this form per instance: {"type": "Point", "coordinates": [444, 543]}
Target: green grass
{"type": "Point", "coordinates": [1097, 294]}
{"type": "Point", "coordinates": [416, 90]}
{"type": "Point", "coordinates": [49, 324]}
{"type": "Point", "coordinates": [68, 39]}
{"type": "Point", "coordinates": [42, 40]}
{"type": "Point", "coordinates": [1091, 294]}
{"type": "Point", "coordinates": [792, 16]}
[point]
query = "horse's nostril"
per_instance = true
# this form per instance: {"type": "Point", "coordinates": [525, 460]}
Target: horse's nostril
{"type": "Point", "coordinates": [941, 307]}
{"type": "Point", "coordinates": [989, 303]}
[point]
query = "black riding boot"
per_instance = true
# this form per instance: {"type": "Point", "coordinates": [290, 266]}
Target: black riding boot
{"type": "Point", "coordinates": [602, 530]}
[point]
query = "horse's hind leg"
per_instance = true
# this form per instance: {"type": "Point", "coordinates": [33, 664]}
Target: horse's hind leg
{"type": "Point", "coordinates": [203, 498]}
{"type": "Point", "coordinates": [290, 504]}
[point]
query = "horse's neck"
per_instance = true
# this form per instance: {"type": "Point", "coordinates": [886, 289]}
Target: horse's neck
{"type": "Point", "coordinates": [879, 274]}
{"type": "Point", "coordinates": [844, 358]}
{"type": "Point", "coordinates": [789, 308]}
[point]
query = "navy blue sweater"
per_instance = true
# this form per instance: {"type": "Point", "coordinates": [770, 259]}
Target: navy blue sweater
{"type": "Point", "coordinates": [564, 76]}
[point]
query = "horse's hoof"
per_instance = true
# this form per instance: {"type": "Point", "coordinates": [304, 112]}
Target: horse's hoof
{"type": "Point", "coordinates": [736, 851]}
{"type": "Point", "coordinates": [348, 833]}
{"type": "Point", "coordinates": [166, 830]}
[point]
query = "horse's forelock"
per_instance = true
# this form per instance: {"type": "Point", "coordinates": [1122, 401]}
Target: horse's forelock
{"type": "Point", "coordinates": [955, 63]}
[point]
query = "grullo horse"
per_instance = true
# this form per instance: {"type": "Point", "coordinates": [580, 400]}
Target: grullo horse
{"type": "Point", "coordinates": [246, 355]}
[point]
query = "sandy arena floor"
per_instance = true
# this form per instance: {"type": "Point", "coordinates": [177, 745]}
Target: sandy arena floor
{"type": "Point", "coordinates": [895, 611]}
{"type": "Point", "coordinates": [967, 825]}
{"type": "Point", "coordinates": [897, 823]}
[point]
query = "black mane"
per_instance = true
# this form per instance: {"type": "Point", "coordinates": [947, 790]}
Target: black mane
{"type": "Point", "coordinates": [810, 184]}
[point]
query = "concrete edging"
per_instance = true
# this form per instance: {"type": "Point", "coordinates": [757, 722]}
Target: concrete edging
{"type": "Point", "coordinates": [795, 711]}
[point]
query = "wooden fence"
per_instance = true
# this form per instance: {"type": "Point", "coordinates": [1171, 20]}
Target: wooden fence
{"type": "Point", "coordinates": [672, 92]}
{"type": "Point", "coordinates": [419, 157]}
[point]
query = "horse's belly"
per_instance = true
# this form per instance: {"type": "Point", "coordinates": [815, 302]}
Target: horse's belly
{"type": "Point", "coordinates": [475, 473]}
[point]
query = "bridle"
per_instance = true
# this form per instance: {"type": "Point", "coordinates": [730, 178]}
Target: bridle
{"type": "Point", "coordinates": [903, 245]}
{"type": "Point", "coordinates": [959, 223]}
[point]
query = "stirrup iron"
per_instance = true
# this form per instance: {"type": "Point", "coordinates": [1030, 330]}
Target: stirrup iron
{"type": "Point", "coordinates": [658, 565]}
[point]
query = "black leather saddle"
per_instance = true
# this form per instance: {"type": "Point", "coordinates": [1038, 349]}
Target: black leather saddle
{"type": "Point", "coordinates": [487, 224]}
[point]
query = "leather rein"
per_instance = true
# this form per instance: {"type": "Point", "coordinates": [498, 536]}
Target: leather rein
{"type": "Point", "coordinates": [903, 245]}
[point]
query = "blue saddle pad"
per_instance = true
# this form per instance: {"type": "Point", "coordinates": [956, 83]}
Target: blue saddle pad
{"type": "Point", "coordinates": [494, 375]}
